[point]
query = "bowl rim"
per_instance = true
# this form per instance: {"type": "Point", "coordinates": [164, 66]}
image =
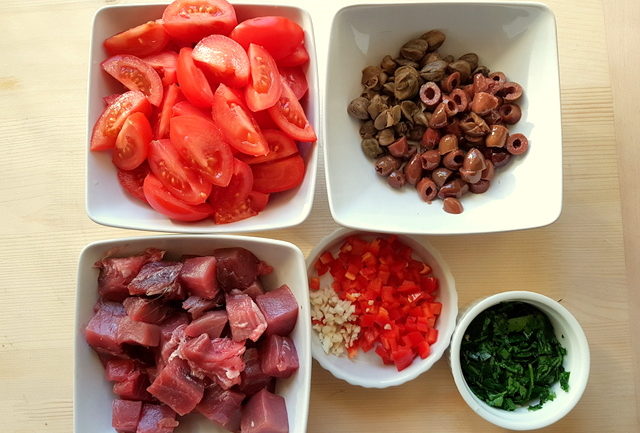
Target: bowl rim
{"type": "Point", "coordinates": [578, 385]}
{"type": "Point", "coordinates": [425, 364]}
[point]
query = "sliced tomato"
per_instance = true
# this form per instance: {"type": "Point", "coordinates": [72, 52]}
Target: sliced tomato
{"type": "Point", "coordinates": [171, 97]}
{"type": "Point", "coordinates": [232, 203]}
{"type": "Point", "coordinates": [201, 143]}
{"type": "Point", "coordinates": [110, 121]}
{"type": "Point", "coordinates": [278, 35]}
{"type": "Point", "coordinates": [141, 40]}
{"type": "Point", "coordinates": [165, 64]}
{"type": "Point", "coordinates": [132, 180]}
{"type": "Point", "coordinates": [132, 144]}
{"type": "Point", "coordinates": [182, 182]}
{"type": "Point", "coordinates": [290, 118]}
{"type": "Point", "coordinates": [264, 120]}
{"type": "Point", "coordinates": [277, 176]}
{"type": "Point", "coordinates": [296, 80]}
{"type": "Point", "coordinates": [299, 57]}
{"type": "Point", "coordinates": [109, 99]}
{"type": "Point", "coordinates": [185, 108]}
{"type": "Point", "coordinates": [237, 124]}
{"type": "Point", "coordinates": [266, 85]}
{"type": "Point", "coordinates": [280, 146]}
{"type": "Point", "coordinates": [160, 199]}
{"type": "Point", "coordinates": [192, 20]}
{"type": "Point", "coordinates": [193, 83]}
{"type": "Point", "coordinates": [223, 59]}
{"type": "Point", "coordinates": [258, 200]}
{"type": "Point", "coordinates": [135, 74]}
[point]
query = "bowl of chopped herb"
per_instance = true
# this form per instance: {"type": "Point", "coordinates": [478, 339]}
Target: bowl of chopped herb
{"type": "Point", "coordinates": [519, 359]}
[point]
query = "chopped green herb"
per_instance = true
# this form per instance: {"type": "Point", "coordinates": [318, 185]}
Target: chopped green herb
{"type": "Point", "coordinates": [511, 357]}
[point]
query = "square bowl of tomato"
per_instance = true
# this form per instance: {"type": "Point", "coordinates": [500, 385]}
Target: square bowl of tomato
{"type": "Point", "coordinates": [202, 117]}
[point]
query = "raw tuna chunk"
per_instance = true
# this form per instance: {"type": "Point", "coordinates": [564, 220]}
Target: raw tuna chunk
{"type": "Point", "coordinates": [278, 356]}
{"type": "Point", "coordinates": [211, 323]}
{"type": "Point", "coordinates": [157, 418]}
{"type": "Point", "coordinates": [245, 318]}
{"type": "Point", "coordinates": [254, 290]}
{"type": "Point", "coordinates": [253, 378]}
{"type": "Point", "coordinates": [265, 413]}
{"type": "Point", "coordinates": [158, 278]}
{"type": "Point", "coordinates": [199, 276]}
{"type": "Point", "coordinates": [140, 333]}
{"type": "Point", "coordinates": [166, 350]}
{"type": "Point", "coordinates": [222, 407]}
{"type": "Point", "coordinates": [237, 268]}
{"type": "Point", "coordinates": [134, 387]}
{"type": "Point", "coordinates": [102, 330]}
{"type": "Point", "coordinates": [146, 310]}
{"type": "Point", "coordinates": [117, 370]}
{"type": "Point", "coordinates": [117, 272]}
{"type": "Point", "coordinates": [280, 309]}
{"type": "Point", "coordinates": [176, 388]}
{"type": "Point", "coordinates": [196, 306]}
{"type": "Point", "coordinates": [125, 415]}
{"type": "Point", "coordinates": [171, 323]}
{"type": "Point", "coordinates": [219, 359]}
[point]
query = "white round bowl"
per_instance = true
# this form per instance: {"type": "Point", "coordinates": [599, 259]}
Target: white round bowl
{"type": "Point", "coordinates": [571, 337]}
{"type": "Point", "coordinates": [367, 369]}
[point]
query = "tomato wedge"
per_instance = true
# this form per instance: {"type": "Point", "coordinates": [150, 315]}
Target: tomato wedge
{"type": "Point", "coordinates": [132, 144]}
{"type": "Point", "coordinates": [277, 176]}
{"type": "Point", "coordinates": [280, 146]}
{"type": "Point", "coordinates": [266, 85]}
{"type": "Point", "coordinates": [192, 20]}
{"type": "Point", "coordinates": [135, 74]}
{"type": "Point", "coordinates": [165, 64]}
{"type": "Point", "coordinates": [193, 83]}
{"type": "Point", "coordinates": [299, 57]}
{"type": "Point", "coordinates": [290, 118]}
{"type": "Point", "coordinates": [132, 180]}
{"type": "Point", "coordinates": [185, 108]}
{"type": "Point", "coordinates": [170, 99]}
{"type": "Point", "coordinates": [110, 121]}
{"type": "Point", "coordinates": [237, 125]}
{"type": "Point", "coordinates": [278, 35]}
{"type": "Point", "coordinates": [223, 59]}
{"type": "Point", "coordinates": [160, 199]}
{"type": "Point", "coordinates": [232, 203]}
{"type": "Point", "coordinates": [258, 200]}
{"type": "Point", "coordinates": [109, 99]}
{"type": "Point", "coordinates": [200, 142]}
{"type": "Point", "coordinates": [296, 80]}
{"type": "Point", "coordinates": [141, 40]}
{"type": "Point", "coordinates": [179, 180]}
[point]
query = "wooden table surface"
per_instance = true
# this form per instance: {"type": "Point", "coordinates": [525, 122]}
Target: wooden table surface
{"type": "Point", "coordinates": [590, 257]}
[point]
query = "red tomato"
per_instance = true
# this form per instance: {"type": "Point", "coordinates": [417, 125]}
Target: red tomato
{"type": "Point", "coordinates": [278, 35]}
{"type": "Point", "coordinates": [296, 80]}
{"type": "Point", "coordinates": [232, 203]}
{"type": "Point", "coordinates": [264, 120]}
{"type": "Point", "coordinates": [179, 180]}
{"type": "Point", "coordinates": [132, 144]}
{"type": "Point", "coordinates": [299, 57]}
{"type": "Point", "coordinates": [223, 59]}
{"type": "Point", "coordinates": [237, 125]}
{"type": "Point", "coordinates": [258, 200]}
{"type": "Point", "coordinates": [184, 108]}
{"type": "Point", "coordinates": [108, 100]}
{"type": "Point", "coordinates": [141, 40]}
{"type": "Point", "coordinates": [135, 75]}
{"type": "Point", "coordinates": [266, 86]}
{"type": "Point", "coordinates": [170, 99]}
{"type": "Point", "coordinates": [110, 121]}
{"type": "Point", "coordinates": [160, 199]}
{"type": "Point", "coordinates": [277, 176]}
{"type": "Point", "coordinates": [132, 180]}
{"type": "Point", "coordinates": [200, 142]}
{"type": "Point", "coordinates": [193, 83]}
{"type": "Point", "coordinates": [280, 146]}
{"type": "Point", "coordinates": [192, 20]}
{"type": "Point", "coordinates": [289, 116]}
{"type": "Point", "coordinates": [165, 64]}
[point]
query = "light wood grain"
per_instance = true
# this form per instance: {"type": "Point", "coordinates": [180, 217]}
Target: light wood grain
{"type": "Point", "coordinates": [579, 259]}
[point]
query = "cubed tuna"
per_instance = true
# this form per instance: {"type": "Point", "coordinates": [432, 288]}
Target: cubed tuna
{"type": "Point", "coordinates": [134, 387]}
{"type": "Point", "coordinates": [140, 333]}
{"type": "Point", "coordinates": [211, 323]}
{"type": "Point", "coordinates": [125, 415]}
{"type": "Point", "coordinates": [237, 268]}
{"type": "Point", "coordinates": [223, 407]}
{"type": "Point", "coordinates": [158, 278]}
{"type": "Point", "coordinates": [170, 323]}
{"type": "Point", "coordinates": [199, 277]}
{"type": "Point", "coordinates": [146, 310]}
{"type": "Point", "coordinates": [176, 388]}
{"type": "Point", "coordinates": [102, 330]}
{"type": "Point", "coordinates": [254, 290]}
{"type": "Point", "coordinates": [265, 413]}
{"type": "Point", "coordinates": [245, 318]}
{"type": "Point", "coordinates": [278, 356]}
{"type": "Point", "coordinates": [219, 359]}
{"type": "Point", "coordinates": [170, 346]}
{"type": "Point", "coordinates": [157, 418]}
{"type": "Point", "coordinates": [117, 272]}
{"type": "Point", "coordinates": [253, 379]}
{"type": "Point", "coordinates": [117, 370]}
{"type": "Point", "coordinates": [197, 306]}
{"type": "Point", "coordinates": [280, 310]}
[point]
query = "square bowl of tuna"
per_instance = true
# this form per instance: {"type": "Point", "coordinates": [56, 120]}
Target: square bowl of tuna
{"type": "Point", "coordinates": [192, 334]}
{"type": "Point", "coordinates": [202, 117]}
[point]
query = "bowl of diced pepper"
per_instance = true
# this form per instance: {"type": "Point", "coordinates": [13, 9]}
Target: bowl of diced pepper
{"type": "Point", "coordinates": [383, 307]}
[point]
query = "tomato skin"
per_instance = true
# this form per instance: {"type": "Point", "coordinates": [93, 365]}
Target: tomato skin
{"type": "Point", "coordinates": [142, 40]}
{"type": "Point", "coordinates": [200, 142]}
{"type": "Point", "coordinates": [266, 85]}
{"type": "Point", "coordinates": [277, 176]}
{"type": "Point", "coordinates": [232, 204]}
{"type": "Point", "coordinates": [132, 180]}
{"type": "Point", "coordinates": [280, 146]}
{"type": "Point", "coordinates": [192, 20]}
{"type": "Point", "coordinates": [108, 125]}
{"type": "Point", "coordinates": [223, 59]}
{"type": "Point", "coordinates": [171, 97]}
{"type": "Point", "coordinates": [165, 64]}
{"type": "Point", "coordinates": [290, 118]}
{"type": "Point", "coordinates": [185, 108]}
{"type": "Point", "coordinates": [236, 124]}
{"type": "Point", "coordinates": [296, 80]}
{"type": "Point", "coordinates": [258, 200]}
{"type": "Point", "coordinates": [135, 74]}
{"type": "Point", "coordinates": [193, 83]}
{"type": "Point", "coordinates": [132, 144]}
{"type": "Point", "coordinates": [162, 201]}
{"type": "Point", "coordinates": [278, 35]}
{"type": "Point", "coordinates": [180, 181]}
{"type": "Point", "coordinates": [299, 57]}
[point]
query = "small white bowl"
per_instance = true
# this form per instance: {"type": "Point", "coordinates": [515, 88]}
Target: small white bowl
{"type": "Point", "coordinates": [106, 201]}
{"type": "Point", "coordinates": [514, 37]}
{"type": "Point", "coordinates": [93, 394]}
{"type": "Point", "coordinates": [571, 337]}
{"type": "Point", "coordinates": [367, 369]}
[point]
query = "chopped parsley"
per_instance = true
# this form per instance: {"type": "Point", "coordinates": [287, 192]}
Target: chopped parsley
{"type": "Point", "coordinates": [511, 357]}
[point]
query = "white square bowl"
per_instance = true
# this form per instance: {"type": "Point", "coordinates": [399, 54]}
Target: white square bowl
{"type": "Point", "coordinates": [516, 38]}
{"type": "Point", "coordinates": [93, 394]}
{"type": "Point", "coordinates": [106, 201]}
